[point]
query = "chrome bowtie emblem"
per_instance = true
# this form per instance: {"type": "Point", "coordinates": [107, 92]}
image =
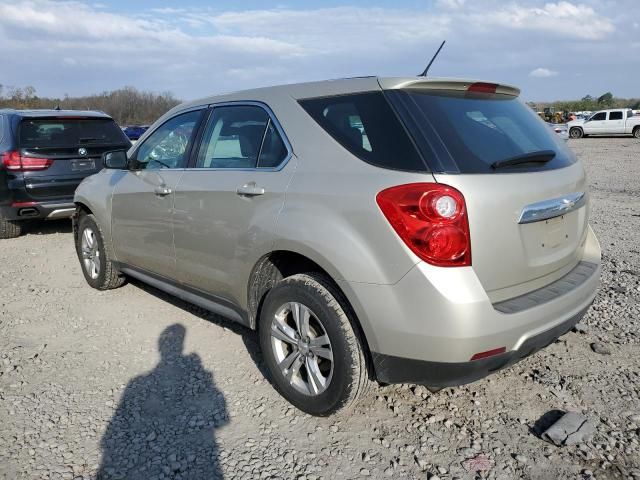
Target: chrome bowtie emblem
{"type": "Point", "coordinates": [82, 152]}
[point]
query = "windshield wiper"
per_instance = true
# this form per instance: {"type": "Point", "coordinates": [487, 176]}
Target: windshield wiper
{"type": "Point", "coordinates": [542, 156]}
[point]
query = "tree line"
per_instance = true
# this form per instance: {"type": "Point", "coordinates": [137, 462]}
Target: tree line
{"type": "Point", "coordinates": [589, 103]}
{"type": "Point", "coordinates": [127, 105]}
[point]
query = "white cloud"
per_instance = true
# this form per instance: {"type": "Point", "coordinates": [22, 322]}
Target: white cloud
{"type": "Point", "coordinates": [454, 4]}
{"type": "Point", "coordinates": [201, 50]}
{"type": "Point", "coordinates": [558, 19]}
{"type": "Point", "coordinates": [543, 73]}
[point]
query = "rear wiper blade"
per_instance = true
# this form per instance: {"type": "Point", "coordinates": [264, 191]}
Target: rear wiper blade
{"type": "Point", "coordinates": [89, 139]}
{"type": "Point", "coordinates": [542, 156]}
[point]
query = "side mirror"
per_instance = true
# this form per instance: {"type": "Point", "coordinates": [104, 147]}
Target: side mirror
{"type": "Point", "coordinates": [116, 159]}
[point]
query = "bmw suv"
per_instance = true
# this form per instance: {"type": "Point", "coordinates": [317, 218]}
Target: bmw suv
{"type": "Point", "coordinates": [404, 230]}
{"type": "Point", "coordinates": [44, 155]}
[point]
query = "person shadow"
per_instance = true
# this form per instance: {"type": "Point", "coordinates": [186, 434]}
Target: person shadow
{"type": "Point", "coordinates": [164, 426]}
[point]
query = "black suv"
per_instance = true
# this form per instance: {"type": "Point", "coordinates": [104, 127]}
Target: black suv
{"type": "Point", "coordinates": [44, 155]}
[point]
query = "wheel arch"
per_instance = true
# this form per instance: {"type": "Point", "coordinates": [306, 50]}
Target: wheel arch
{"type": "Point", "coordinates": [81, 209]}
{"type": "Point", "coordinates": [276, 265]}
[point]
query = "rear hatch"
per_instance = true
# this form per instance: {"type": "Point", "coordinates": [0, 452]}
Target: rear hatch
{"type": "Point", "coordinates": [524, 189]}
{"type": "Point", "coordinates": [73, 147]}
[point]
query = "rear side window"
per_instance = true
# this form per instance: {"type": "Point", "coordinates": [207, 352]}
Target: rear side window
{"type": "Point", "coordinates": [615, 115]}
{"type": "Point", "coordinates": [459, 132]}
{"type": "Point", "coordinates": [365, 124]}
{"type": "Point", "coordinates": [240, 137]}
{"type": "Point", "coordinates": [69, 132]}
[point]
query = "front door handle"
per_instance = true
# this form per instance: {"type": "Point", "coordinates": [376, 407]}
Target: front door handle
{"type": "Point", "coordinates": [162, 191]}
{"type": "Point", "coordinates": [250, 190]}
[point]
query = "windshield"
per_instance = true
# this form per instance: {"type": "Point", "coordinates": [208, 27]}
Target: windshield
{"type": "Point", "coordinates": [459, 132]}
{"type": "Point", "coordinates": [69, 132]}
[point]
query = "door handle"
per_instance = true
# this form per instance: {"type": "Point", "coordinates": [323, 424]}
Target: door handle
{"type": "Point", "coordinates": [250, 190]}
{"type": "Point", "coordinates": [162, 191]}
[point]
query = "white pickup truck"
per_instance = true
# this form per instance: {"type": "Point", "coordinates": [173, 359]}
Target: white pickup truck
{"type": "Point", "coordinates": [606, 122]}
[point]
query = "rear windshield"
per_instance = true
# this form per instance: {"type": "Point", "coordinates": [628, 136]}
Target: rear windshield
{"type": "Point", "coordinates": [365, 124]}
{"type": "Point", "coordinates": [61, 132]}
{"type": "Point", "coordinates": [467, 133]}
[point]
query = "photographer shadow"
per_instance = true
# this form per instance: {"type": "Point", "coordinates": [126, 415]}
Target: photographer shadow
{"type": "Point", "coordinates": [165, 423]}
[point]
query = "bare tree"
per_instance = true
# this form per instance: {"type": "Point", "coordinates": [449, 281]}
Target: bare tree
{"type": "Point", "coordinates": [127, 105]}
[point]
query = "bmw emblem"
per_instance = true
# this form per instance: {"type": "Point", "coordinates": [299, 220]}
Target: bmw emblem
{"type": "Point", "coordinates": [82, 152]}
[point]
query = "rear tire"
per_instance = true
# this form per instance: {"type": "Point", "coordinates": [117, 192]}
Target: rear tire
{"type": "Point", "coordinates": [95, 261]}
{"type": "Point", "coordinates": [636, 132]}
{"type": "Point", "coordinates": [311, 348]}
{"type": "Point", "coordinates": [576, 132]}
{"type": "Point", "coordinates": [11, 228]}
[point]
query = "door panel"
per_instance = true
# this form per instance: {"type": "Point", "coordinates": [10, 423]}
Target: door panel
{"type": "Point", "coordinates": [142, 203]}
{"type": "Point", "coordinates": [142, 212]}
{"type": "Point", "coordinates": [597, 124]}
{"type": "Point", "coordinates": [614, 123]}
{"type": "Point", "coordinates": [219, 233]}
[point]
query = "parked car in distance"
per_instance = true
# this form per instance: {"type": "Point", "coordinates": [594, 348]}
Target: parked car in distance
{"type": "Point", "coordinates": [134, 132]}
{"type": "Point", "coordinates": [365, 227]}
{"type": "Point", "coordinates": [560, 129]}
{"type": "Point", "coordinates": [44, 155]}
{"type": "Point", "coordinates": [606, 122]}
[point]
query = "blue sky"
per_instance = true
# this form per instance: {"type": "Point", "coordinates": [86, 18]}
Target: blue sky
{"type": "Point", "coordinates": [550, 49]}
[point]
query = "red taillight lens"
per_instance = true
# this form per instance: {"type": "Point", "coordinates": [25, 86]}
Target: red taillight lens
{"type": "Point", "coordinates": [431, 219]}
{"type": "Point", "coordinates": [16, 162]}
{"type": "Point", "coordinates": [481, 87]}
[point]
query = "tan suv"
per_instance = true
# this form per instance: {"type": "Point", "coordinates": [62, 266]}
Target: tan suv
{"type": "Point", "coordinates": [394, 229]}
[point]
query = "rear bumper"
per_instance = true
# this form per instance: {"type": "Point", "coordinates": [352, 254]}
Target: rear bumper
{"type": "Point", "coordinates": [390, 369]}
{"type": "Point", "coordinates": [34, 210]}
{"type": "Point", "coordinates": [427, 327]}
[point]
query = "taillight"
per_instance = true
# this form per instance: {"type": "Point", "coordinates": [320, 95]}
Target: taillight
{"type": "Point", "coordinates": [16, 162]}
{"type": "Point", "coordinates": [431, 219]}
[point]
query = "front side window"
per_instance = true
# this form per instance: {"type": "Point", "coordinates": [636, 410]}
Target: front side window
{"type": "Point", "coordinates": [239, 137]}
{"type": "Point", "coordinates": [599, 116]}
{"type": "Point", "coordinates": [167, 146]}
{"type": "Point", "coordinates": [615, 115]}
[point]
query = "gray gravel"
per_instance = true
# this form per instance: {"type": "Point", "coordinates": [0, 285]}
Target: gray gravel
{"type": "Point", "coordinates": [133, 384]}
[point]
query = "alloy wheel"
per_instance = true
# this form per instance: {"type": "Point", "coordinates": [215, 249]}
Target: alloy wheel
{"type": "Point", "coordinates": [90, 253]}
{"type": "Point", "coordinates": [302, 348]}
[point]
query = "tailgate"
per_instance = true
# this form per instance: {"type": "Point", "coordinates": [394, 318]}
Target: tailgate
{"type": "Point", "coordinates": [73, 147]}
{"type": "Point", "coordinates": [510, 249]}
{"type": "Point", "coordinates": [525, 191]}
{"type": "Point", "coordinates": [67, 169]}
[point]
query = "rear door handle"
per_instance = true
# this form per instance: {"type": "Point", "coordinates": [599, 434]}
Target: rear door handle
{"type": "Point", "coordinates": [162, 191]}
{"type": "Point", "coordinates": [250, 190]}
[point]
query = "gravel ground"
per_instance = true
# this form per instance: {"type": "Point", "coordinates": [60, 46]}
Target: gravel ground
{"type": "Point", "coordinates": [133, 384]}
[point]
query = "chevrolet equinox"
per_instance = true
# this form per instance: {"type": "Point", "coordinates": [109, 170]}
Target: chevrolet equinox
{"type": "Point", "coordinates": [404, 230]}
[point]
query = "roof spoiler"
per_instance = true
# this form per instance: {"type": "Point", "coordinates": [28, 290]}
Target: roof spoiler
{"type": "Point", "coordinates": [420, 83]}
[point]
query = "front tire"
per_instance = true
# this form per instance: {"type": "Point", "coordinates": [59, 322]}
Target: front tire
{"type": "Point", "coordinates": [97, 266]}
{"type": "Point", "coordinates": [11, 228]}
{"type": "Point", "coordinates": [310, 346]}
{"type": "Point", "coordinates": [636, 132]}
{"type": "Point", "coordinates": [576, 133]}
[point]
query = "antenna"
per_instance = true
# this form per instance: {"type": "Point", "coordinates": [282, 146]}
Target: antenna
{"type": "Point", "coordinates": [424, 74]}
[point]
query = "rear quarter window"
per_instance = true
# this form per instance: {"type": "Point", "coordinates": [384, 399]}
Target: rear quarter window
{"type": "Point", "coordinates": [72, 132]}
{"type": "Point", "coordinates": [366, 126]}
